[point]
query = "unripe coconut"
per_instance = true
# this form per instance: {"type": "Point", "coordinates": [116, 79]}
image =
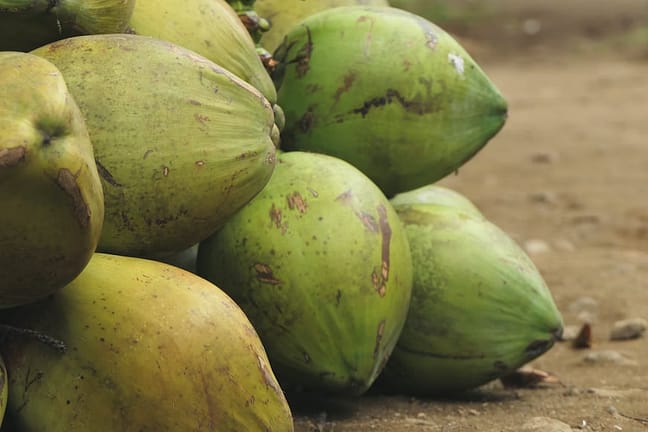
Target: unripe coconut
{"type": "Point", "coordinates": [134, 345]}
{"type": "Point", "coordinates": [51, 199]}
{"type": "Point", "coordinates": [387, 91]}
{"type": "Point", "coordinates": [180, 142]}
{"type": "Point", "coordinates": [480, 309]}
{"type": "Point", "coordinates": [320, 263]}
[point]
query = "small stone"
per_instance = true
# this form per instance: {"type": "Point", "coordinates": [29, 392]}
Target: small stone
{"type": "Point", "coordinates": [584, 304]}
{"type": "Point", "coordinates": [536, 246]}
{"type": "Point", "coordinates": [628, 329]}
{"type": "Point", "coordinates": [586, 317]}
{"type": "Point", "coordinates": [608, 357]}
{"type": "Point", "coordinates": [570, 332]}
{"type": "Point", "coordinates": [531, 26]}
{"type": "Point", "coordinates": [545, 424]}
{"type": "Point", "coordinates": [613, 410]}
{"type": "Point", "coordinates": [584, 337]}
{"type": "Point", "coordinates": [544, 157]}
{"type": "Point", "coordinates": [544, 197]}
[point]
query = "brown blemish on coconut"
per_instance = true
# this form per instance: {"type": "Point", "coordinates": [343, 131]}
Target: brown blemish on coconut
{"type": "Point", "coordinates": [31, 378]}
{"type": "Point", "coordinates": [304, 55]}
{"type": "Point", "coordinates": [202, 118]}
{"type": "Point", "coordinates": [379, 337]}
{"type": "Point", "coordinates": [207, 392]}
{"type": "Point", "coordinates": [106, 175]}
{"type": "Point", "coordinates": [200, 163]}
{"type": "Point", "coordinates": [369, 38]}
{"type": "Point", "coordinates": [348, 81]}
{"type": "Point", "coordinates": [297, 202]}
{"type": "Point", "coordinates": [313, 88]}
{"type": "Point", "coordinates": [379, 277]}
{"type": "Point", "coordinates": [391, 96]}
{"type": "Point", "coordinates": [427, 83]}
{"type": "Point", "coordinates": [268, 377]}
{"type": "Point", "coordinates": [10, 157]}
{"type": "Point", "coordinates": [67, 182]}
{"type": "Point", "coordinates": [276, 218]}
{"type": "Point", "coordinates": [165, 171]}
{"type": "Point", "coordinates": [250, 154]}
{"type": "Point", "coordinates": [265, 274]}
{"type": "Point", "coordinates": [54, 46]}
{"type": "Point", "coordinates": [368, 221]}
{"type": "Point", "coordinates": [307, 120]}
{"type": "Point", "coordinates": [345, 197]}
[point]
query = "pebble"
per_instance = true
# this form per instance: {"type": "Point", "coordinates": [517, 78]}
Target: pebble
{"type": "Point", "coordinates": [584, 337]}
{"type": "Point", "coordinates": [536, 246]}
{"type": "Point", "coordinates": [545, 424]}
{"type": "Point", "coordinates": [531, 26]}
{"type": "Point", "coordinates": [570, 332]}
{"type": "Point", "coordinates": [544, 157]}
{"type": "Point", "coordinates": [612, 410]}
{"type": "Point", "coordinates": [608, 356]}
{"type": "Point", "coordinates": [587, 317]}
{"type": "Point", "coordinates": [545, 197]}
{"type": "Point", "coordinates": [585, 308]}
{"type": "Point", "coordinates": [628, 329]}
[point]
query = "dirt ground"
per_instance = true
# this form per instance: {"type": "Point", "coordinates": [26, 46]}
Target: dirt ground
{"type": "Point", "coordinates": [566, 177]}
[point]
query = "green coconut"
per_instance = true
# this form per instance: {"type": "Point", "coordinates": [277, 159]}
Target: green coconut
{"type": "Point", "coordinates": [181, 143]}
{"type": "Point", "coordinates": [387, 91]}
{"type": "Point", "coordinates": [320, 263]}
{"type": "Point", "coordinates": [480, 308]}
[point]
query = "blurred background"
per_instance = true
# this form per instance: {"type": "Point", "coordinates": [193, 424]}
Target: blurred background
{"type": "Point", "coordinates": [504, 27]}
